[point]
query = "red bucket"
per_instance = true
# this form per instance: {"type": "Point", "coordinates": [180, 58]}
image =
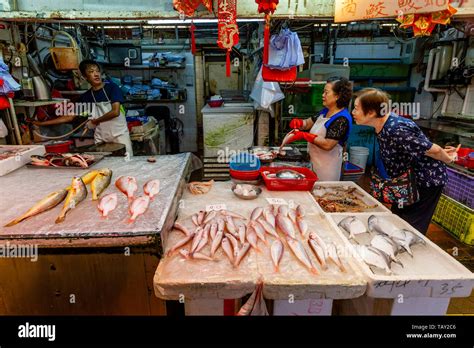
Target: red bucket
{"type": "Point", "coordinates": [62, 147]}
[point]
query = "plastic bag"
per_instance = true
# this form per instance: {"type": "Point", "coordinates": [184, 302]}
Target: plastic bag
{"type": "Point", "coordinates": [3, 129]}
{"type": "Point", "coordinates": [265, 93]}
{"type": "Point", "coordinates": [255, 305]}
{"type": "Point", "coordinates": [285, 51]}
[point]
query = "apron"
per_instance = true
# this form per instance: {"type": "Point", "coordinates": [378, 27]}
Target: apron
{"type": "Point", "coordinates": [112, 131]}
{"type": "Point", "coordinates": [326, 164]}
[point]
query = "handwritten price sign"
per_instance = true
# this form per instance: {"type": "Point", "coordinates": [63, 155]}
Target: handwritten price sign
{"type": "Point", "coordinates": [278, 201]}
{"type": "Point", "coordinates": [215, 207]}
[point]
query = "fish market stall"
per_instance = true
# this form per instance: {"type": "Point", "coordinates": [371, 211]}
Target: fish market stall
{"type": "Point", "coordinates": [416, 278]}
{"type": "Point", "coordinates": [203, 282]}
{"type": "Point", "coordinates": [80, 246]}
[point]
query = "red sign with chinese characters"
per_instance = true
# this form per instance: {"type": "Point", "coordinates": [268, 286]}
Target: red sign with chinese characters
{"type": "Point", "coordinates": [228, 30]}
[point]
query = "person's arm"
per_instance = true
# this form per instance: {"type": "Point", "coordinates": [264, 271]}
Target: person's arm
{"type": "Point", "coordinates": [115, 112]}
{"type": "Point", "coordinates": [440, 154]}
{"type": "Point", "coordinates": [308, 124]}
{"type": "Point", "coordinates": [57, 120]}
{"type": "Point", "coordinates": [302, 125]}
{"type": "Point", "coordinates": [325, 144]}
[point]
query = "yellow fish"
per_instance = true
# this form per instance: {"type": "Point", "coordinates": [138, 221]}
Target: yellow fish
{"type": "Point", "coordinates": [76, 194]}
{"type": "Point", "coordinates": [100, 182]}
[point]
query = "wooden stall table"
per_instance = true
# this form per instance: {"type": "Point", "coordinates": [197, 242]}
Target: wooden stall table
{"type": "Point", "coordinates": [87, 265]}
{"type": "Point", "coordinates": [204, 285]}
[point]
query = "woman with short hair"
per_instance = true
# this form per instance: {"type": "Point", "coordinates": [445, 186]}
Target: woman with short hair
{"type": "Point", "coordinates": [404, 146]}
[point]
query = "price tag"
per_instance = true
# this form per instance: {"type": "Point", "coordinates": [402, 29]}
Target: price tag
{"type": "Point", "coordinates": [279, 201]}
{"type": "Point", "coordinates": [216, 207]}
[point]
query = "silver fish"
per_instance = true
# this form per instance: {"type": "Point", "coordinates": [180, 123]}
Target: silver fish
{"type": "Point", "coordinates": [353, 226]}
{"type": "Point", "coordinates": [387, 245]}
{"type": "Point", "coordinates": [289, 174]}
{"type": "Point", "coordinates": [374, 257]}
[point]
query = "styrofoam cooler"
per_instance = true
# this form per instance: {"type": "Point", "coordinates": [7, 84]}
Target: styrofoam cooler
{"type": "Point", "coordinates": [359, 155]}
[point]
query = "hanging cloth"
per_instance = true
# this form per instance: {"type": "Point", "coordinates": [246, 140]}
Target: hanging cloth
{"type": "Point", "coordinates": [228, 31]}
{"type": "Point", "coordinates": [189, 6]}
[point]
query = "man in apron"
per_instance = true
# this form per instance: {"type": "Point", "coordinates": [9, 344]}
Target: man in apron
{"type": "Point", "coordinates": [108, 116]}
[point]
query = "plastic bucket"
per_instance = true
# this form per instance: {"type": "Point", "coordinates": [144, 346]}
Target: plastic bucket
{"type": "Point", "coordinates": [359, 156]}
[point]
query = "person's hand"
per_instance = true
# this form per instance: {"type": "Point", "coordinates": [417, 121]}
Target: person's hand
{"type": "Point", "coordinates": [296, 123]}
{"type": "Point", "coordinates": [91, 124]}
{"type": "Point", "coordinates": [452, 152]}
{"type": "Point", "coordinates": [306, 136]}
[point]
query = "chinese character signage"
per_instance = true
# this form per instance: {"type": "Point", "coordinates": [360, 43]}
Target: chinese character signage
{"type": "Point", "coordinates": [354, 10]}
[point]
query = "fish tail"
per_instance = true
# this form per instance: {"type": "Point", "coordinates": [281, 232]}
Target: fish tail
{"type": "Point", "coordinates": [60, 219]}
{"type": "Point", "coordinates": [314, 271]}
{"type": "Point", "coordinates": [14, 222]}
{"type": "Point", "coordinates": [276, 269]}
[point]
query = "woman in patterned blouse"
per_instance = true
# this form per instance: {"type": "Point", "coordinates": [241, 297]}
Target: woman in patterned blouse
{"type": "Point", "coordinates": [403, 146]}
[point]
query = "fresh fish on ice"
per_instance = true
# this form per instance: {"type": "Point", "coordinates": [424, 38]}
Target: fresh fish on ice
{"type": "Point", "coordinates": [194, 218]}
{"type": "Point", "coordinates": [353, 226]}
{"type": "Point", "coordinates": [213, 230]}
{"type": "Point", "coordinates": [100, 182]}
{"type": "Point", "coordinates": [299, 251]}
{"type": "Point", "coordinates": [300, 211]}
{"type": "Point", "coordinates": [216, 243]}
{"type": "Point", "coordinates": [233, 241]}
{"type": "Point", "coordinates": [49, 202]}
{"type": "Point", "coordinates": [76, 195]}
{"type": "Point", "coordinates": [127, 185]}
{"type": "Point", "coordinates": [319, 248]}
{"type": "Point", "coordinates": [269, 217]}
{"type": "Point", "coordinates": [259, 231]}
{"type": "Point", "coordinates": [152, 188]}
{"type": "Point", "coordinates": [292, 215]}
{"type": "Point", "coordinates": [333, 255]}
{"type": "Point", "coordinates": [199, 234]}
{"type": "Point", "coordinates": [277, 253]}
{"type": "Point", "coordinates": [302, 226]}
{"type": "Point", "coordinates": [241, 254]}
{"type": "Point", "coordinates": [387, 245]}
{"type": "Point", "coordinates": [252, 238]}
{"type": "Point", "coordinates": [182, 228]}
{"type": "Point", "coordinates": [285, 225]}
{"type": "Point", "coordinates": [107, 204]}
{"type": "Point", "coordinates": [283, 210]}
{"type": "Point", "coordinates": [374, 257]}
{"type": "Point", "coordinates": [268, 228]}
{"type": "Point", "coordinates": [138, 207]}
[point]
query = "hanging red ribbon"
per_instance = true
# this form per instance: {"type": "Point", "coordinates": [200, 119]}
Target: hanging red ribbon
{"type": "Point", "coordinates": [193, 38]}
{"type": "Point", "coordinates": [228, 31]}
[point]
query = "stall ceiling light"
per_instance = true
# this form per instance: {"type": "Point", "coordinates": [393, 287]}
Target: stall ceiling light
{"type": "Point", "coordinates": [197, 21]}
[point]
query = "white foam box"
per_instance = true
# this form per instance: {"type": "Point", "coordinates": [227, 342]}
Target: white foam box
{"type": "Point", "coordinates": [23, 156]}
{"type": "Point", "coordinates": [366, 198]}
{"type": "Point", "coordinates": [430, 273]}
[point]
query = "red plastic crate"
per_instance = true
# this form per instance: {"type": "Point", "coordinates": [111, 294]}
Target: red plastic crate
{"type": "Point", "coordinates": [275, 184]}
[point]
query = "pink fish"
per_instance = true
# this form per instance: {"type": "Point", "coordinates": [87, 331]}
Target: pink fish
{"type": "Point", "coordinates": [197, 256]}
{"type": "Point", "coordinates": [300, 211]}
{"type": "Point", "coordinates": [269, 217]}
{"type": "Point", "coordinates": [268, 228]}
{"type": "Point", "coordinates": [241, 254]}
{"type": "Point", "coordinates": [233, 241]}
{"type": "Point", "coordinates": [199, 234]}
{"type": "Point", "coordinates": [127, 185]}
{"type": "Point", "coordinates": [181, 243]}
{"type": "Point", "coordinates": [283, 210]}
{"type": "Point", "coordinates": [256, 213]}
{"type": "Point", "coordinates": [107, 204]}
{"type": "Point", "coordinates": [152, 188]}
{"type": "Point", "coordinates": [299, 251]}
{"type": "Point", "coordinates": [277, 253]}
{"type": "Point", "coordinates": [285, 225]}
{"type": "Point", "coordinates": [195, 219]}
{"type": "Point", "coordinates": [292, 215]}
{"type": "Point", "coordinates": [228, 249]}
{"type": "Point", "coordinates": [201, 216]}
{"type": "Point", "coordinates": [242, 233]}
{"type": "Point", "coordinates": [259, 230]}
{"type": "Point", "coordinates": [138, 207]}
{"type": "Point", "coordinates": [213, 230]}
{"type": "Point", "coordinates": [216, 243]}
{"type": "Point", "coordinates": [252, 238]}
{"type": "Point", "coordinates": [182, 228]}
{"type": "Point", "coordinates": [302, 225]}
{"type": "Point", "coordinates": [287, 138]}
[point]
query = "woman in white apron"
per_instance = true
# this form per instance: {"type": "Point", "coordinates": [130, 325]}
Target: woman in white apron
{"type": "Point", "coordinates": [328, 131]}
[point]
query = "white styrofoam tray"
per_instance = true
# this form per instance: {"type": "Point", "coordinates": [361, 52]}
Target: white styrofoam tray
{"type": "Point", "coordinates": [24, 156]}
{"type": "Point", "coordinates": [368, 199]}
{"type": "Point", "coordinates": [431, 272]}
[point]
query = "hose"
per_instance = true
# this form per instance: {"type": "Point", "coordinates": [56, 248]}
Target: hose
{"type": "Point", "coordinates": [61, 136]}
